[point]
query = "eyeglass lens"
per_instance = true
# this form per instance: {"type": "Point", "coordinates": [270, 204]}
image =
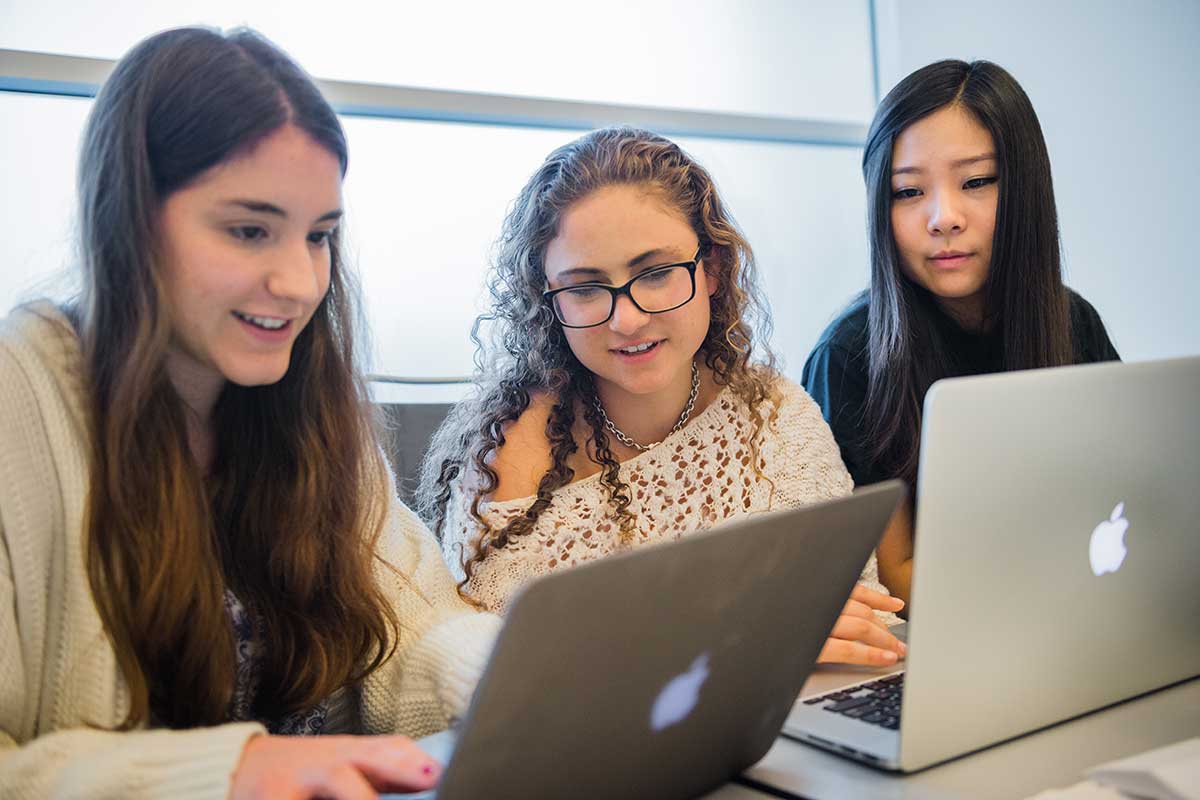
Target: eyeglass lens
{"type": "Point", "coordinates": [655, 291]}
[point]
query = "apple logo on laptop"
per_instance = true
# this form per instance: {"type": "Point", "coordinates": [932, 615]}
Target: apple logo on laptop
{"type": "Point", "coordinates": [1107, 548]}
{"type": "Point", "coordinates": [679, 696]}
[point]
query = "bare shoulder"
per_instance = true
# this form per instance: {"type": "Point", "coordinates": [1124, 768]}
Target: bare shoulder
{"type": "Point", "coordinates": [525, 455]}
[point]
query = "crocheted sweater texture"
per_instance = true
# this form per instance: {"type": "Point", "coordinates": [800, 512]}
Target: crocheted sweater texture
{"type": "Point", "coordinates": [698, 477]}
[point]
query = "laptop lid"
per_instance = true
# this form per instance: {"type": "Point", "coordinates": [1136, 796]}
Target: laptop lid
{"type": "Point", "coordinates": [1057, 550]}
{"type": "Point", "coordinates": [665, 671]}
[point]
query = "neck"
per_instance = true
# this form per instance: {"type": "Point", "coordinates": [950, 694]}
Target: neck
{"type": "Point", "coordinates": [646, 418]}
{"type": "Point", "coordinates": [967, 312]}
{"type": "Point", "coordinates": [198, 387]}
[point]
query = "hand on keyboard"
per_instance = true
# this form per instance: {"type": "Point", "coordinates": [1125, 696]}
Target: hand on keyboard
{"type": "Point", "coordinates": [859, 637]}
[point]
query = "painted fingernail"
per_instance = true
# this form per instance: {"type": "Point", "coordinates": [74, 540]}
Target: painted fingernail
{"type": "Point", "coordinates": [427, 769]}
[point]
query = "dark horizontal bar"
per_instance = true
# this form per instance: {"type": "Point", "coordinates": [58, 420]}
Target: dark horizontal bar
{"type": "Point", "coordinates": [77, 76]}
{"type": "Point", "coordinates": [411, 381]}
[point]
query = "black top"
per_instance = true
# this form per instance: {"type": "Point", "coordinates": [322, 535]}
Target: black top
{"type": "Point", "coordinates": [835, 373]}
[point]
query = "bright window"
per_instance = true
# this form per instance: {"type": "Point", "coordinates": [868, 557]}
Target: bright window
{"type": "Point", "coordinates": [425, 200]}
{"type": "Point", "coordinates": [791, 58]}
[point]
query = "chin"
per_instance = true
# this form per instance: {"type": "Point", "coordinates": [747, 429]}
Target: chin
{"type": "Point", "coordinates": [640, 385]}
{"type": "Point", "coordinates": [968, 294]}
{"type": "Point", "coordinates": [257, 375]}
{"type": "Point", "coordinates": [955, 290]}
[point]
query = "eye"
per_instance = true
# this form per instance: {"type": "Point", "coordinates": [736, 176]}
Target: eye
{"type": "Point", "coordinates": [905, 194]}
{"type": "Point", "coordinates": [656, 277]}
{"type": "Point", "coordinates": [979, 183]}
{"type": "Point", "coordinates": [248, 233]}
{"type": "Point", "coordinates": [584, 293]}
{"type": "Point", "coordinates": [320, 238]}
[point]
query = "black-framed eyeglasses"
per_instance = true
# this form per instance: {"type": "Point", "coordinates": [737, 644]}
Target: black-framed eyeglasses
{"type": "Point", "coordinates": [655, 291]}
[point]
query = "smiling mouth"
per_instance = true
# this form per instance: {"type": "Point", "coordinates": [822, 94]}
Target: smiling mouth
{"type": "Point", "coordinates": [265, 323]}
{"type": "Point", "coordinates": [638, 349]}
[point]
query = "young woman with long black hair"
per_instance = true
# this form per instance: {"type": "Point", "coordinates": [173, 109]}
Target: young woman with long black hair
{"type": "Point", "coordinates": [966, 274]}
{"type": "Point", "coordinates": [202, 544]}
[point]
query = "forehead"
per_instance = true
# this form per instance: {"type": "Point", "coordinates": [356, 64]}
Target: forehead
{"type": "Point", "coordinates": [287, 168]}
{"type": "Point", "coordinates": [946, 135]}
{"type": "Point", "coordinates": [614, 224]}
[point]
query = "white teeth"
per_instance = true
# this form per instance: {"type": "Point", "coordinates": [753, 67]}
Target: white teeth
{"type": "Point", "coordinates": [262, 322]}
{"type": "Point", "coordinates": [641, 348]}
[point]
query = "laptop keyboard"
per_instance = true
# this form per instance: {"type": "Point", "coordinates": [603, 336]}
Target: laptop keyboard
{"type": "Point", "coordinates": [877, 702]}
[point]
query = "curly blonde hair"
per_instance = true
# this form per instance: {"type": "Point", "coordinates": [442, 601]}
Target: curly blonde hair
{"type": "Point", "coordinates": [521, 348]}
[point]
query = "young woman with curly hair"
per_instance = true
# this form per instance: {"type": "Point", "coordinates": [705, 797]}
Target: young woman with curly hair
{"type": "Point", "coordinates": [619, 402]}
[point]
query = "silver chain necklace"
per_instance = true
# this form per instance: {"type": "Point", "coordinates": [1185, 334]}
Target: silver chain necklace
{"type": "Point", "coordinates": [683, 418]}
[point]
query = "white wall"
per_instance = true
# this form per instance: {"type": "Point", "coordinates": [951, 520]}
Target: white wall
{"type": "Point", "coordinates": [424, 203]}
{"type": "Point", "coordinates": [425, 199]}
{"type": "Point", "coordinates": [771, 57]}
{"type": "Point", "coordinates": [1116, 86]}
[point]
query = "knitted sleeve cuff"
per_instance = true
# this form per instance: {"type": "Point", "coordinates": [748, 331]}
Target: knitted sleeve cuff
{"type": "Point", "coordinates": [195, 764]}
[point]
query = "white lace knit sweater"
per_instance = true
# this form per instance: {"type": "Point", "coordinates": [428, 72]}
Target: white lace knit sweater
{"type": "Point", "coordinates": [698, 477]}
{"type": "Point", "coordinates": [59, 681]}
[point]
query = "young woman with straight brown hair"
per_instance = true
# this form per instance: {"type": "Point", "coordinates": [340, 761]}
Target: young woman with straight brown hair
{"type": "Point", "coordinates": [202, 542]}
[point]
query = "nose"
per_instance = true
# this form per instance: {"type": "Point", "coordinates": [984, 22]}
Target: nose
{"type": "Point", "coordinates": [626, 317]}
{"type": "Point", "coordinates": [295, 273]}
{"type": "Point", "coordinates": [945, 216]}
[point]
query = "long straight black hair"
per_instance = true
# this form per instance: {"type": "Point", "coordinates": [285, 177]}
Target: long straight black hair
{"type": "Point", "coordinates": [1025, 302]}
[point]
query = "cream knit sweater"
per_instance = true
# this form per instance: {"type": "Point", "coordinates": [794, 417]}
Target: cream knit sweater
{"type": "Point", "coordinates": [698, 477]}
{"type": "Point", "coordinates": [59, 681]}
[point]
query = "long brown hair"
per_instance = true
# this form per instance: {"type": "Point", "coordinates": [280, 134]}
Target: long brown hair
{"type": "Point", "coordinates": [528, 352]}
{"type": "Point", "coordinates": [290, 513]}
{"type": "Point", "coordinates": [1025, 302]}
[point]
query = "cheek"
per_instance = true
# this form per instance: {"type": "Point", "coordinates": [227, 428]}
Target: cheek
{"type": "Point", "coordinates": [905, 252]}
{"type": "Point", "coordinates": [702, 301]}
{"type": "Point", "coordinates": [581, 342]}
{"type": "Point", "coordinates": [324, 277]}
{"type": "Point", "coordinates": [703, 310]}
{"type": "Point", "coordinates": [690, 327]}
{"type": "Point", "coordinates": [187, 287]}
{"type": "Point", "coordinates": [904, 224]}
{"type": "Point", "coordinates": [985, 226]}
{"type": "Point", "coordinates": [988, 226]}
{"type": "Point", "coordinates": [908, 232]}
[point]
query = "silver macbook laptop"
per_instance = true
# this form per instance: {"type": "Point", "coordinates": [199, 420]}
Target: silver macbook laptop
{"type": "Point", "coordinates": [1056, 564]}
{"type": "Point", "coordinates": [666, 671]}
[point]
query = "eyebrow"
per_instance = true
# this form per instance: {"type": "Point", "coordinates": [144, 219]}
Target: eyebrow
{"type": "Point", "coordinates": [262, 207]}
{"type": "Point", "coordinates": [960, 162]}
{"type": "Point", "coordinates": [659, 255]}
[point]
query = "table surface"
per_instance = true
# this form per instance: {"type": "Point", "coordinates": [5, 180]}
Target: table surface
{"type": "Point", "coordinates": [1053, 757]}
